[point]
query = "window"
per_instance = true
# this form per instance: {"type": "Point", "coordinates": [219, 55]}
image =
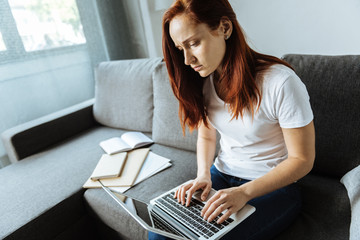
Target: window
{"type": "Point", "coordinates": [45, 24]}
{"type": "Point", "coordinates": [2, 44]}
{"type": "Point", "coordinates": [32, 28]}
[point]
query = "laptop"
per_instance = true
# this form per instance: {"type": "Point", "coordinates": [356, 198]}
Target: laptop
{"type": "Point", "coordinates": [165, 216]}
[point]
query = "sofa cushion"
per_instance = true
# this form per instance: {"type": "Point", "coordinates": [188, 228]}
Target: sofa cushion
{"type": "Point", "coordinates": [351, 181]}
{"type": "Point", "coordinates": [123, 93]}
{"type": "Point", "coordinates": [113, 215]}
{"type": "Point", "coordinates": [333, 83]}
{"type": "Point", "coordinates": [325, 213]}
{"type": "Point", "coordinates": [166, 124]}
{"type": "Point", "coordinates": [110, 213]}
{"type": "Point", "coordinates": [43, 188]}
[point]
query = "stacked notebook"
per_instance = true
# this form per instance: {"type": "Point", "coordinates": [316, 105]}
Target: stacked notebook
{"type": "Point", "coordinates": [122, 169]}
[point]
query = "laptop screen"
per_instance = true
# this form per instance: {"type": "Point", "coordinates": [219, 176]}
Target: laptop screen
{"type": "Point", "coordinates": [140, 209]}
{"type": "Point", "coordinates": [133, 206]}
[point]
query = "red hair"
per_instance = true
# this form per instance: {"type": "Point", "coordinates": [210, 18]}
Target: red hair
{"type": "Point", "coordinates": [240, 64]}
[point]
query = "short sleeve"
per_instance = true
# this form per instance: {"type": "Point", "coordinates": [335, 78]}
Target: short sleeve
{"type": "Point", "coordinates": [293, 104]}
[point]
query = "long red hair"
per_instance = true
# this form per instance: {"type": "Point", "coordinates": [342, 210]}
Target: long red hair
{"type": "Point", "coordinates": [240, 64]}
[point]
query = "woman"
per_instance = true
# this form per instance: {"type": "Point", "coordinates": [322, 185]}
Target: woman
{"type": "Point", "coordinates": [258, 105]}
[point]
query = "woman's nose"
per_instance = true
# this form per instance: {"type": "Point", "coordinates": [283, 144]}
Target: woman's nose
{"type": "Point", "coordinates": [188, 58]}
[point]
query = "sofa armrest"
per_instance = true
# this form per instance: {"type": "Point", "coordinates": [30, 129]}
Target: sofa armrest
{"type": "Point", "coordinates": [36, 135]}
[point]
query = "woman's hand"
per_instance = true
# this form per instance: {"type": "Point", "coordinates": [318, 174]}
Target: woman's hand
{"type": "Point", "coordinates": [230, 199]}
{"type": "Point", "coordinates": [201, 182]}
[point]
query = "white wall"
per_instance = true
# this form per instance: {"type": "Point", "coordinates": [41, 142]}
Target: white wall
{"type": "Point", "coordinates": [277, 27]}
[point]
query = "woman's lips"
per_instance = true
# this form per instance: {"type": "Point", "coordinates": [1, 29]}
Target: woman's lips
{"type": "Point", "coordinates": [197, 68]}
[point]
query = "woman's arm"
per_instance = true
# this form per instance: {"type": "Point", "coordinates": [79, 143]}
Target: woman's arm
{"type": "Point", "coordinates": [205, 151]}
{"type": "Point", "coordinates": [300, 143]}
{"type": "Point", "coordinates": [206, 145]}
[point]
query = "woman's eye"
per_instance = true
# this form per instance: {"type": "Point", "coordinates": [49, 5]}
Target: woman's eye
{"type": "Point", "coordinates": [194, 44]}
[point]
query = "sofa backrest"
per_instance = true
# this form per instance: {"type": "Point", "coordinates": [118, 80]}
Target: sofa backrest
{"type": "Point", "coordinates": [333, 83]}
{"type": "Point", "coordinates": [136, 95]}
{"type": "Point", "coordinates": [166, 124]}
{"type": "Point", "coordinates": [124, 94]}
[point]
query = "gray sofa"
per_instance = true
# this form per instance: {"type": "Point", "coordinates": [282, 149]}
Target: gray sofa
{"type": "Point", "coordinates": [42, 195]}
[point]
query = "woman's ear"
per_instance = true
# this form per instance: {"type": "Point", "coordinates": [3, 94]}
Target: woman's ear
{"type": "Point", "coordinates": [226, 27]}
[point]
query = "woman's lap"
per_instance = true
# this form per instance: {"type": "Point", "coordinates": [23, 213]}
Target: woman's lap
{"type": "Point", "coordinates": [274, 211]}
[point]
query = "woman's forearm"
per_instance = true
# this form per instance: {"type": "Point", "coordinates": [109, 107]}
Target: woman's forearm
{"type": "Point", "coordinates": [286, 173]}
{"type": "Point", "coordinates": [205, 152]}
{"type": "Point", "coordinates": [205, 156]}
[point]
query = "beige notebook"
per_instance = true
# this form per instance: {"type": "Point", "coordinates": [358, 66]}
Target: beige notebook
{"type": "Point", "coordinates": [133, 164]}
{"type": "Point", "coordinates": [109, 166]}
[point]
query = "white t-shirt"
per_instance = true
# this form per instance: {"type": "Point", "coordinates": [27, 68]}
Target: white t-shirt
{"type": "Point", "coordinates": [249, 148]}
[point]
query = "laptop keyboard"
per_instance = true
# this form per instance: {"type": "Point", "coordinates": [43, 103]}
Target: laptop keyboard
{"type": "Point", "coordinates": [191, 216]}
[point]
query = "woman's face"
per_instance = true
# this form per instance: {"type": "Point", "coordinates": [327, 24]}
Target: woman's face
{"type": "Point", "coordinates": [203, 48]}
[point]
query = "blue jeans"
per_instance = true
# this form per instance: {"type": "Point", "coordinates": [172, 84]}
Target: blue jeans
{"type": "Point", "coordinates": [274, 211]}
